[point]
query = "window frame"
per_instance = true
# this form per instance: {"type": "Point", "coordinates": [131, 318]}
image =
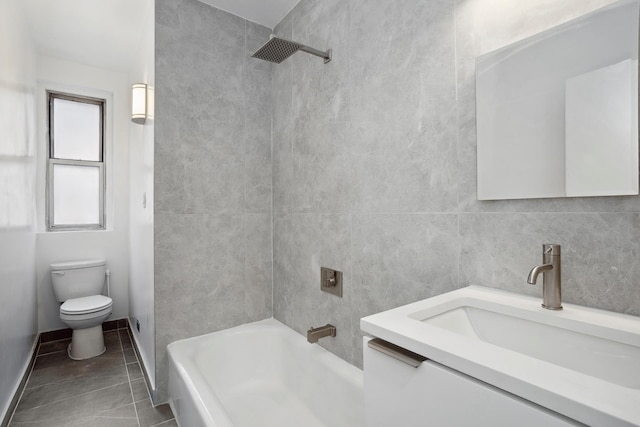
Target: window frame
{"type": "Point", "coordinates": [51, 161]}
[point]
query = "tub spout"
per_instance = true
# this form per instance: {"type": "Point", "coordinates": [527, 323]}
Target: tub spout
{"type": "Point", "coordinates": [314, 334]}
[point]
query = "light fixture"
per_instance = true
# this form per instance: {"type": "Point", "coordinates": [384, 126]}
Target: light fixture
{"type": "Point", "coordinates": [138, 103]}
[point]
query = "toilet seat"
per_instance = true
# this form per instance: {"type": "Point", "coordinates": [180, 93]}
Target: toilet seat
{"type": "Point", "coordinates": [86, 305]}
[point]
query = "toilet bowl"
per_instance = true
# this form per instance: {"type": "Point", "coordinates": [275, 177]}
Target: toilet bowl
{"type": "Point", "coordinates": [78, 286]}
{"type": "Point", "coordinates": [85, 317]}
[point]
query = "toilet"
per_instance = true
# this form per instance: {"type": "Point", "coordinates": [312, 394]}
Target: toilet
{"type": "Point", "coordinates": [78, 286]}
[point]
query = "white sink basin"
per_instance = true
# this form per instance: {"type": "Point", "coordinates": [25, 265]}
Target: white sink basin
{"type": "Point", "coordinates": [608, 360]}
{"type": "Point", "coordinates": [580, 362]}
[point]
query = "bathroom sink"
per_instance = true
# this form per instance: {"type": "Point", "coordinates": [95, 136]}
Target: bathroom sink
{"type": "Point", "coordinates": [602, 358]}
{"type": "Point", "coordinates": [581, 362]}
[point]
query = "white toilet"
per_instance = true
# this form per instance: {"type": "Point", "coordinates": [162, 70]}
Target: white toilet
{"type": "Point", "coordinates": [78, 286]}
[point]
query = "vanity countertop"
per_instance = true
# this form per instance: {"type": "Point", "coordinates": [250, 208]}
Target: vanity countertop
{"type": "Point", "coordinates": [580, 362]}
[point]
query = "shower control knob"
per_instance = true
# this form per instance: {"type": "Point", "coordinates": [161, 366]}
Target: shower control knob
{"type": "Point", "coordinates": [331, 281]}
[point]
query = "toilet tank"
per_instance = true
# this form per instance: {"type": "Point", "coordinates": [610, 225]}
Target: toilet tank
{"type": "Point", "coordinates": [77, 279]}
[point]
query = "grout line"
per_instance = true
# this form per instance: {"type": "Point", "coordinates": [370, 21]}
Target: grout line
{"type": "Point", "coordinates": [144, 381]}
{"type": "Point", "coordinates": [38, 354]}
{"type": "Point", "coordinates": [109, 418]}
{"type": "Point", "coordinates": [164, 422]}
{"type": "Point", "coordinates": [49, 353]}
{"type": "Point", "coordinates": [459, 254]}
{"type": "Point", "coordinates": [48, 342]}
{"type": "Point", "coordinates": [457, 97]}
{"type": "Point", "coordinates": [135, 354]}
{"type": "Point", "coordinates": [144, 378]}
{"type": "Point", "coordinates": [133, 400]}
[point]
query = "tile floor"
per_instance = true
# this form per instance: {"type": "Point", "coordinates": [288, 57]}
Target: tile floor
{"type": "Point", "coordinates": [108, 390]}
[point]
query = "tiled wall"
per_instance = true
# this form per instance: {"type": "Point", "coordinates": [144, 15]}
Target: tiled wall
{"type": "Point", "coordinates": [212, 175]}
{"type": "Point", "coordinates": [374, 169]}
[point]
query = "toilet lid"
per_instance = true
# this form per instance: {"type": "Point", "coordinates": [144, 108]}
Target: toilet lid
{"type": "Point", "coordinates": [85, 305]}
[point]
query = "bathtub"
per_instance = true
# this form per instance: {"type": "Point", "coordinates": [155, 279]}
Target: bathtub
{"type": "Point", "coordinates": [261, 374]}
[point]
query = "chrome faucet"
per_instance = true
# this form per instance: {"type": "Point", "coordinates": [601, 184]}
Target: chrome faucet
{"type": "Point", "coordinates": [314, 334]}
{"type": "Point", "coordinates": [551, 278]}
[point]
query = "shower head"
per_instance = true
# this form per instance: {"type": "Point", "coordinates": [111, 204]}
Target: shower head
{"type": "Point", "coordinates": [278, 49]}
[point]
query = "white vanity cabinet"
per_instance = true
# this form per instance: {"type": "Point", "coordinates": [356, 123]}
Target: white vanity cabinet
{"type": "Point", "coordinates": [397, 394]}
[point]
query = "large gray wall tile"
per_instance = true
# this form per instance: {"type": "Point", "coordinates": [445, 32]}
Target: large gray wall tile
{"type": "Point", "coordinates": [213, 175]}
{"type": "Point", "coordinates": [304, 243]}
{"type": "Point", "coordinates": [387, 37]}
{"type": "Point", "coordinates": [599, 252]}
{"type": "Point", "coordinates": [258, 265]}
{"type": "Point", "coordinates": [321, 91]}
{"type": "Point", "coordinates": [398, 259]}
{"type": "Point", "coordinates": [257, 167]}
{"type": "Point", "coordinates": [199, 23]}
{"type": "Point", "coordinates": [322, 169]}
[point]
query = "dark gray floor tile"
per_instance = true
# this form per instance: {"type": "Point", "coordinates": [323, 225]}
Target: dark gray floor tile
{"type": "Point", "coordinates": [54, 346]}
{"type": "Point", "coordinates": [47, 423]}
{"type": "Point", "coordinates": [112, 338]}
{"type": "Point", "coordinates": [124, 338]}
{"type": "Point", "coordinates": [115, 422]}
{"type": "Point", "coordinates": [112, 342]}
{"type": "Point", "coordinates": [170, 423]}
{"type": "Point", "coordinates": [149, 416]}
{"type": "Point", "coordinates": [129, 355]}
{"type": "Point", "coordinates": [50, 359]}
{"type": "Point", "coordinates": [86, 405]}
{"type": "Point", "coordinates": [139, 389]}
{"type": "Point", "coordinates": [134, 371]}
{"type": "Point", "coordinates": [58, 367]}
{"type": "Point", "coordinates": [104, 422]}
{"type": "Point", "coordinates": [128, 411]}
{"type": "Point", "coordinates": [37, 396]}
{"type": "Point", "coordinates": [119, 417]}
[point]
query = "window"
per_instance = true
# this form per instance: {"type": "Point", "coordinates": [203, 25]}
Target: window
{"type": "Point", "coordinates": [75, 165]}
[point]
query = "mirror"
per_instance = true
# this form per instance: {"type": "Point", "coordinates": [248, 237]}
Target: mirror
{"type": "Point", "coordinates": [557, 113]}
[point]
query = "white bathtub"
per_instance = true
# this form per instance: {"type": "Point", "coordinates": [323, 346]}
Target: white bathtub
{"type": "Point", "coordinates": [262, 374]}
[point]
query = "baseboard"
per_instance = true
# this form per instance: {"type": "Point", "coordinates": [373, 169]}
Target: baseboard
{"type": "Point", "coordinates": [6, 418]}
{"type": "Point", "coordinates": [145, 373]}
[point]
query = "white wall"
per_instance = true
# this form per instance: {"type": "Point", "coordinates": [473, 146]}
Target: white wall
{"type": "Point", "coordinates": [111, 243]}
{"type": "Point", "coordinates": [18, 324]}
{"type": "Point", "coordinates": [141, 140]}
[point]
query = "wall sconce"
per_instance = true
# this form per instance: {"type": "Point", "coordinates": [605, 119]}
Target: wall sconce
{"type": "Point", "coordinates": [138, 103]}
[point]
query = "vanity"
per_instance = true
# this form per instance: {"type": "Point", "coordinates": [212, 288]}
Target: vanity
{"type": "Point", "coordinates": [482, 356]}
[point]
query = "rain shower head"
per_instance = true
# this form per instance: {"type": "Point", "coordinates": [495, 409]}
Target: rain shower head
{"type": "Point", "coordinates": [278, 49]}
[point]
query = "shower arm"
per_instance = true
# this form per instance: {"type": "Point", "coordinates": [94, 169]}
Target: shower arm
{"type": "Point", "coordinates": [326, 55]}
